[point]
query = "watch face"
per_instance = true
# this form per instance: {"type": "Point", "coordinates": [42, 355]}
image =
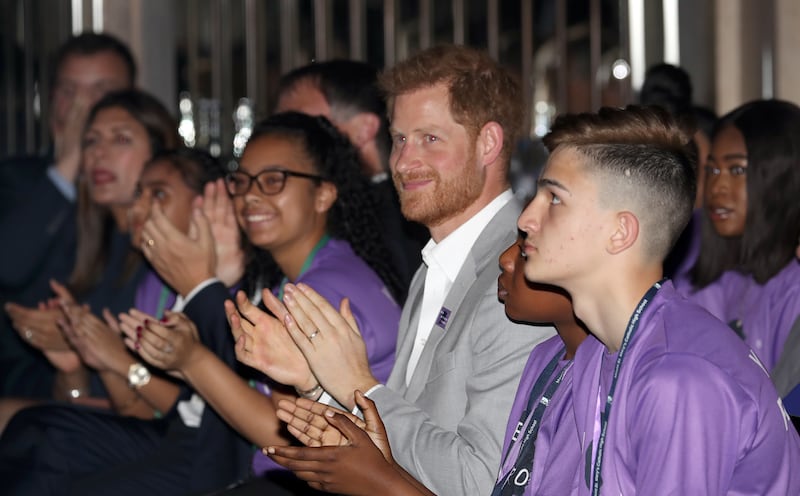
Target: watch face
{"type": "Point", "coordinates": [138, 375]}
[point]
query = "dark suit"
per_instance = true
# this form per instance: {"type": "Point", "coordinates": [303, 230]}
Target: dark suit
{"type": "Point", "coordinates": [403, 239]}
{"type": "Point", "coordinates": [64, 449]}
{"type": "Point", "coordinates": [37, 225]}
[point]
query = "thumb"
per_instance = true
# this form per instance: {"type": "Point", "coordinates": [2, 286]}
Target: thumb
{"type": "Point", "coordinates": [346, 426]}
{"type": "Point", "coordinates": [61, 292]}
{"type": "Point", "coordinates": [347, 314]}
{"type": "Point", "coordinates": [371, 416]}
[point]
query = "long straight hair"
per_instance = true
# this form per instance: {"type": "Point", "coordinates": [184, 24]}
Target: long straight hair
{"type": "Point", "coordinates": [771, 131]}
{"type": "Point", "coordinates": [95, 223]}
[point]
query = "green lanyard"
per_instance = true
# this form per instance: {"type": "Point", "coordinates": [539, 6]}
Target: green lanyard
{"type": "Point", "coordinates": [307, 264]}
{"type": "Point", "coordinates": [162, 301]}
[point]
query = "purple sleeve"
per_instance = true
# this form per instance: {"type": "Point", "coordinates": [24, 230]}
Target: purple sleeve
{"type": "Point", "coordinates": [375, 313]}
{"type": "Point", "coordinates": [685, 433]}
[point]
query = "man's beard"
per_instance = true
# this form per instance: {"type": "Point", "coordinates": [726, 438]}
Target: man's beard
{"type": "Point", "coordinates": [444, 201]}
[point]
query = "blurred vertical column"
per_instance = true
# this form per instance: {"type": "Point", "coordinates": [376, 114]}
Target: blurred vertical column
{"type": "Point", "coordinates": [148, 26]}
{"type": "Point", "coordinates": [357, 29]}
{"type": "Point", "coordinates": [738, 52]}
{"type": "Point", "coordinates": [787, 41]}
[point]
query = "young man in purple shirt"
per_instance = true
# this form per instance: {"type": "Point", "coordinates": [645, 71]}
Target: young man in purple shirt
{"type": "Point", "coordinates": [667, 400]}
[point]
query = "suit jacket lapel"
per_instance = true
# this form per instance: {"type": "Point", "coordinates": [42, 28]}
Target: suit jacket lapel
{"type": "Point", "coordinates": [484, 251]}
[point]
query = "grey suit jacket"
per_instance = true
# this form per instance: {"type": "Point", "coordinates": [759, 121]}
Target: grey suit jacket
{"type": "Point", "coordinates": [447, 426]}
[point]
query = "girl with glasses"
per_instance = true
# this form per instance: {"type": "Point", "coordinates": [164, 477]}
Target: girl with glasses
{"type": "Point", "coordinates": [308, 217]}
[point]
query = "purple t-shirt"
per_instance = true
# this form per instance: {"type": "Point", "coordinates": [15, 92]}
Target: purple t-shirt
{"type": "Point", "coordinates": [694, 411]}
{"type": "Point", "coordinates": [153, 295]}
{"type": "Point", "coordinates": [557, 448]}
{"type": "Point", "coordinates": [335, 273]}
{"type": "Point", "coordinates": [762, 314]}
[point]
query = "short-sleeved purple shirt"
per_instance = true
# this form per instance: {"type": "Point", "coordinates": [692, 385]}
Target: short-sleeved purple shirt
{"type": "Point", "coordinates": [762, 314]}
{"type": "Point", "coordinates": [335, 273]}
{"type": "Point", "coordinates": [694, 411]}
{"type": "Point", "coordinates": [557, 448]}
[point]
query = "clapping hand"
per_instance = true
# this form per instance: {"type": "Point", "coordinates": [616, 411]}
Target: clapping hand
{"type": "Point", "coordinates": [330, 341]}
{"type": "Point", "coordinates": [263, 343]}
{"type": "Point", "coordinates": [169, 344]}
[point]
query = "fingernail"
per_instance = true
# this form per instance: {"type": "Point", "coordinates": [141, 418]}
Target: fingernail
{"type": "Point", "coordinates": [269, 450]}
{"type": "Point", "coordinates": [289, 288]}
{"type": "Point", "coordinates": [287, 297]}
{"type": "Point", "coordinates": [137, 346]}
{"type": "Point", "coordinates": [164, 318]}
{"type": "Point", "coordinates": [146, 322]}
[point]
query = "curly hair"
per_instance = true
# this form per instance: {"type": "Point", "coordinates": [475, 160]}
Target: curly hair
{"type": "Point", "coordinates": [771, 132]}
{"type": "Point", "coordinates": [480, 89]}
{"type": "Point", "coordinates": [352, 217]}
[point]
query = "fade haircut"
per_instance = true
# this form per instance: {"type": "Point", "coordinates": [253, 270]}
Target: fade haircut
{"type": "Point", "coordinates": [640, 156]}
{"type": "Point", "coordinates": [88, 43]}
{"type": "Point", "coordinates": [350, 87]}
{"type": "Point", "coordinates": [771, 133]}
{"type": "Point", "coordinates": [480, 90]}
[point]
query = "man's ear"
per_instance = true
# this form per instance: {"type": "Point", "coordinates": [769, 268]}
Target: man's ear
{"type": "Point", "coordinates": [489, 144]}
{"type": "Point", "coordinates": [362, 128]}
{"type": "Point", "coordinates": [625, 234]}
{"type": "Point", "coordinates": [326, 196]}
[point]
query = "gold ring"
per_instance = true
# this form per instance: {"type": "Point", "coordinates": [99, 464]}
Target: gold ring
{"type": "Point", "coordinates": [150, 242]}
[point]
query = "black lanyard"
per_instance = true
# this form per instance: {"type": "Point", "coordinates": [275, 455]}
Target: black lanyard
{"type": "Point", "coordinates": [633, 326]}
{"type": "Point", "coordinates": [520, 471]}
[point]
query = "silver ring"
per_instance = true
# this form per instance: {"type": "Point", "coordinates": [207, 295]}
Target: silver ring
{"type": "Point", "coordinates": [168, 348]}
{"type": "Point", "coordinates": [313, 334]}
{"type": "Point", "coordinates": [150, 242]}
{"type": "Point", "coordinates": [28, 334]}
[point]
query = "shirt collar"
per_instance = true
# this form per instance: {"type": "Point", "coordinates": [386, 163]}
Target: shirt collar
{"type": "Point", "coordinates": [450, 253]}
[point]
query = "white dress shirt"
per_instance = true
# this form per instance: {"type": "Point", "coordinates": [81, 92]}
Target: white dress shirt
{"type": "Point", "coordinates": [444, 261]}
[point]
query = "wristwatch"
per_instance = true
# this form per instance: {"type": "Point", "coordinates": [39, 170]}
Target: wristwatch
{"type": "Point", "coordinates": [138, 375]}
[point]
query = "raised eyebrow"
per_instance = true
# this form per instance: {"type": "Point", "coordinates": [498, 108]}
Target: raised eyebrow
{"type": "Point", "coordinates": [552, 183]}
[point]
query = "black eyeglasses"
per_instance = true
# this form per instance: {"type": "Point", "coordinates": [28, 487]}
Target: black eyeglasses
{"type": "Point", "coordinates": [270, 181]}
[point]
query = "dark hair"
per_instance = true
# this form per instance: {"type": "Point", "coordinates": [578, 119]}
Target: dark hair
{"type": "Point", "coordinates": [91, 44]}
{"type": "Point", "coordinates": [95, 223]}
{"type": "Point", "coordinates": [705, 119]}
{"type": "Point", "coordinates": [480, 90]}
{"type": "Point", "coordinates": [352, 217]}
{"type": "Point", "coordinates": [669, 87]}
{"type": "Point", "coordinates": [350, 87]}
{"type": "Point", "coordinates": [771, 132]}
{"type": "Point", "coordinates": [641, 156]}
{"type": "Point", "coordinates": [196, 167]}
